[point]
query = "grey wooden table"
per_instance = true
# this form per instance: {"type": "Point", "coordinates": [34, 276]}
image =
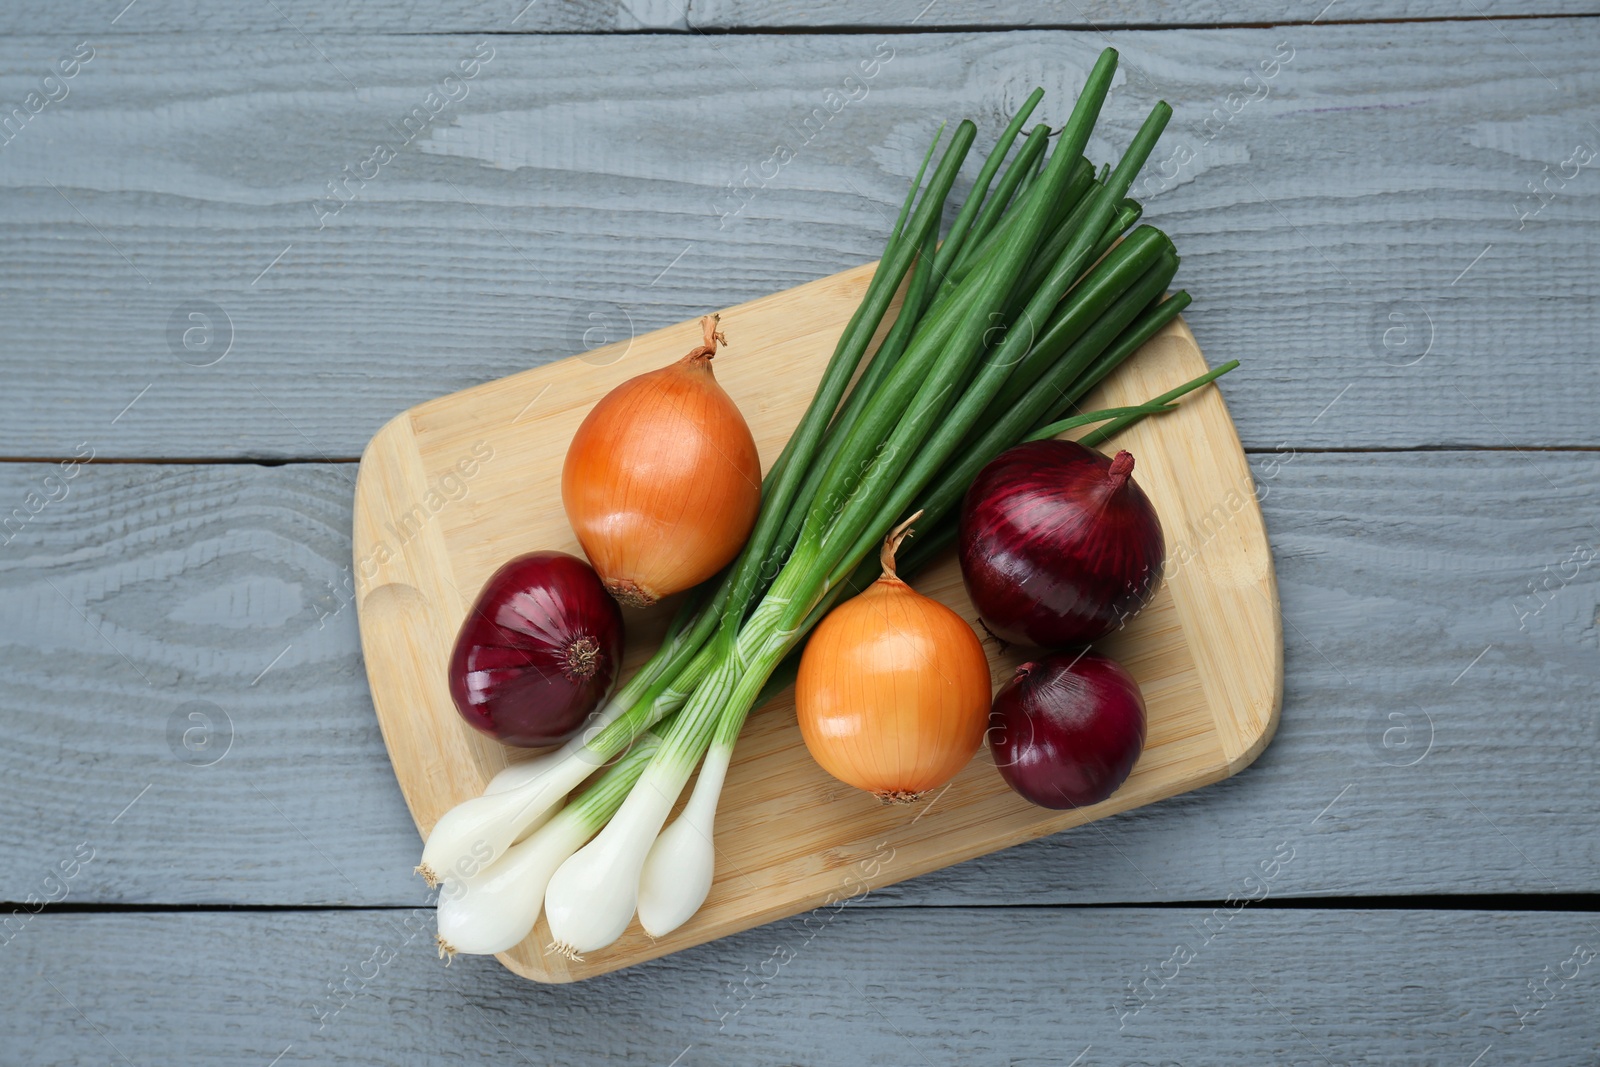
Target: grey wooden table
{"type": "Point", "coordinates": [213, 293]}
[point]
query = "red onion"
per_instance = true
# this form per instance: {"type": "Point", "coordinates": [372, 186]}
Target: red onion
{"type": "Point", "coordinates": [537, 652]}
{"type": "Point", "coordinates": [1058, 545]}
{"type": "Point", "coordinates": [1067, 729]}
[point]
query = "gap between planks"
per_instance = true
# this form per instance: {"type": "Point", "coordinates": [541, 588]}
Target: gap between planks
{"type": "Point", "coordinates": [1496, 902]}
{"type": "Point", "coordinates": [909, 30]}
{"type": "Point", "coordinates": [337, 461]}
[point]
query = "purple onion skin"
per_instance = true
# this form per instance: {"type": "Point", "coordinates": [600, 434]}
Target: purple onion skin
{"type": "Point", "coordinates": [538, 651]}
{"type": "Point", "coordinates": [1067, 729]}
{"type": "Point", "coordinates": [1058, 546]}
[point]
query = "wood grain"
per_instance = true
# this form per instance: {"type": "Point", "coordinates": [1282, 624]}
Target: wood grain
{"type": "Point", "coordinates": [1322, 225]}
{"type": "Point", "coordinates": [1207, 652]}
{"type": "Point", "coordinates": [81, 17]}
{"type": "Point", "coordinates": [1411, 696]}
{"type": "Point", "coordinates": [892, 986]}
{"type": "Point", "coordinates": [311, 18]}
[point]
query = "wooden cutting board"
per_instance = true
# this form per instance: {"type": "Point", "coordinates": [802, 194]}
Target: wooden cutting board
{"type": "Point", "coordinates": [452, 488]}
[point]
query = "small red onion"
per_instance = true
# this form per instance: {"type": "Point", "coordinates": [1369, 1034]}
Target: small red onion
{"type": "Point", "coordinates": [1058, 545]}
{"type": "Point", "coordinates": [1067, 729]}
{"type": "Point", "coordinates": [537, 652]}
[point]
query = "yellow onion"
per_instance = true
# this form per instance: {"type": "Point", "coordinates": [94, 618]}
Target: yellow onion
{"type": "Point", "coordinates": [662, 481]}
{"type": "Point", "coordinates": [893, 691]}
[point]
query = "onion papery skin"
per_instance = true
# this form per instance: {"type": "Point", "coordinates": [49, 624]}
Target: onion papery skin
{"type": "Point", "coordinates": [662, 481]}
{"type": "Point", "coordinates": [893, 692]}
{"type": "Point", "coordinates": [538, 650]}
{"type": "Point", "coordinates": [1058, 545]}
{"type": "Point", "coordinates": [1066, 731]}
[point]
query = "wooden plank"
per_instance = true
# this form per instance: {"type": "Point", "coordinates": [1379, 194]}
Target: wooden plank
{"type": "Point", "coordinates": [1427, 743]}
{"type": "Point", "coordinates": [80, 17]}
{"type": "Point", "coordinates": [890, 986]}
{"type": "Point", "coordinates": [97, 21]}
{"type": "Point", "coordinates": [1090, 14]}
{"type": "Point", "coordinates": [561, 202]}
{"type": "Point", "coordinates": [1208, 651]}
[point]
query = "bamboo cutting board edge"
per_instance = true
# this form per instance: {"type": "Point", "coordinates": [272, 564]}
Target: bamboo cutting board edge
{"type": "Point", "coordinates": [1212, 637]}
